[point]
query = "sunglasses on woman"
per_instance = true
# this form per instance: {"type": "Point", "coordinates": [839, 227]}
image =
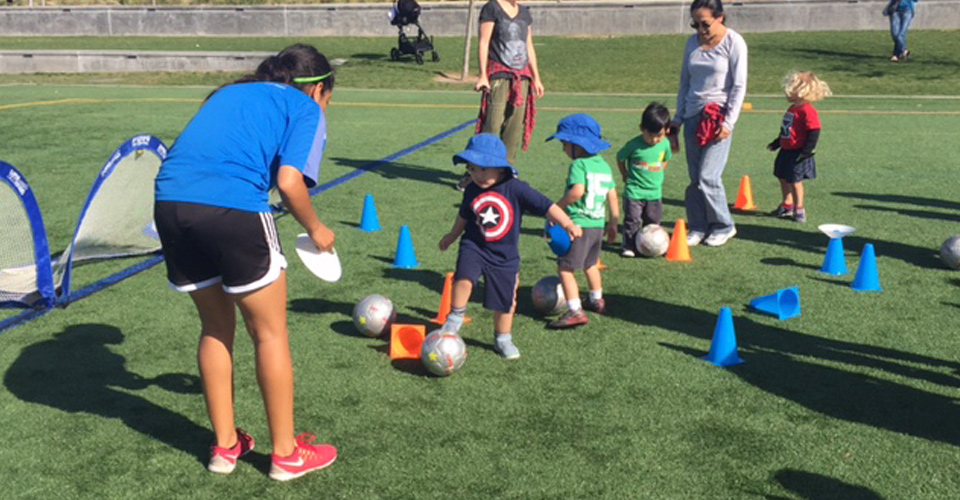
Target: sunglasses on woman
{"type": "Point", "coordinates": [701, 25]}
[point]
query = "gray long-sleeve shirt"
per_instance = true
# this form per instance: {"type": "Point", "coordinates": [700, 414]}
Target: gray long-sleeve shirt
{"type": "Point", "coordinates": [716, 75]}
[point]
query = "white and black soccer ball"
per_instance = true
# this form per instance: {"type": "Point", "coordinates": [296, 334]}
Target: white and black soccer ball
{"type": "Point", "coordinates": [373, 315]}
{"type": "Point", "coordinates": [950, 252]}
{"type": "Point", "coordinates": [548, 297]}
{"type": "Point", "coordinates": [443, 352]}
{"type": "Point", "coordinates": [652, 241]}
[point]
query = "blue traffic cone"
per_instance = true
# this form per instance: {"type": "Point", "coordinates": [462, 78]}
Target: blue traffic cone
{"type": "Point", "coordinates": [369, 221]}
{"type": "Point", "coordinates": [867, 278]}
{"type": "Point", "coordinates": [784, 304]}
{"type": "Point", "coordinates": [834, 263]}
{"type": "Point", "coordinates": [559, 239]}
{"type": "Point", "coordinates": [405, 258]}
{"type": "Point", "coordinates": [723, 348]}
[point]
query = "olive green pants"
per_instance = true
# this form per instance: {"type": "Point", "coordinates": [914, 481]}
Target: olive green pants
{"type": "Point", "coordinates": [503, 119]}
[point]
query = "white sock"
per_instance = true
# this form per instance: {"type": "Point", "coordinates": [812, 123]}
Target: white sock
{"type": "Point", "coordinates": [596, 295]}
{"type": "Point", "coordinates": [574, 304]}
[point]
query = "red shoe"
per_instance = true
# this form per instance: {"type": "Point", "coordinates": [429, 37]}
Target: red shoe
{"type": "Point", "coordinates": [224, 460]}
{"type": "Point", "coordinates": [305, 458]}
{"type": "Point", "coordinates": [598, 306]}
{"type": "Point", "coordinates": [570, 319]}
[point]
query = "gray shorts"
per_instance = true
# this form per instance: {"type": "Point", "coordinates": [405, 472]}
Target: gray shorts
{"type": "Point", "coordinates": [584, 252]}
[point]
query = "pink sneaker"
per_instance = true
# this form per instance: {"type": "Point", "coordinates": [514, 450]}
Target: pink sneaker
{"type": "Point", "coordinates": [305, 458]}
{"type": "Point", "coordinates": [224, 460]}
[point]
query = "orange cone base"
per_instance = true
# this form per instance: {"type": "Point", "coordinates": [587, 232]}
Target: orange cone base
{"type": "Point", "coordinates": [406, 341]}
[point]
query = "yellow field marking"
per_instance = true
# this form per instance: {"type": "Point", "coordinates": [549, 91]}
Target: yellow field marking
{"type": "Point", "coordinates": [361, 104]}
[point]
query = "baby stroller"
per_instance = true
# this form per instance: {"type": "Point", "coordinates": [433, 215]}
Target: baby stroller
{"type": "Point", "coordinates": [404, 13]}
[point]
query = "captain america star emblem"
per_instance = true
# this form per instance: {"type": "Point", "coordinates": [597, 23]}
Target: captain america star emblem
{"type": "Point", "coordinates": [494, 215]}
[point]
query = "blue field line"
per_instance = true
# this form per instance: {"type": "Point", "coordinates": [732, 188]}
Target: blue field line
{"type": "Point", "coordinates": [32, 314]}
{"type": "Point", "coordinates": [376, 164]}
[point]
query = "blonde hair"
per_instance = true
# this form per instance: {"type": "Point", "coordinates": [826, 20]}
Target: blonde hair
{"type": "Point", "coordinates": [805, 86]}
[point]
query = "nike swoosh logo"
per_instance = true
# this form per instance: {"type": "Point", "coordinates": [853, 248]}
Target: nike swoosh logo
{"type": "Point", "coordinates": [298, 463]}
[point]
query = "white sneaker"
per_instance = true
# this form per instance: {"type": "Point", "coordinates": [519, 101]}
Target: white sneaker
{"type": "Point", "coordinates": [694, 238]}
{"type": "Point", "coordinates": [628, 254]}
{"type": "Point", "coordinates": [719, 239]}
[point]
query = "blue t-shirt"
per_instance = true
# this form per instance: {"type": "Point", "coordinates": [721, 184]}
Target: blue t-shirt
{"type": "Point", "coordinates": [493, 217]}
{"type": "Point", "coordinates": [230, 152]}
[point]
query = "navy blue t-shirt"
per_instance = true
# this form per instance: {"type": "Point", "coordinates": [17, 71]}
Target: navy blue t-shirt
{"type": "Point", "coordinates": [493, 217]}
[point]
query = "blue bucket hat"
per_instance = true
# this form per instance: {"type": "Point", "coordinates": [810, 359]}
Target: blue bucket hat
{"type": "Point", "coordinates": [484, 151]}
{"type": "Point", "coordinates": [582, 130]}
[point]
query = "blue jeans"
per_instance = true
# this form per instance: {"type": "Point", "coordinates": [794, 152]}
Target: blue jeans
{"type": "Point", "coordinates": [899, 24]}
{"type": "Point", "coordinates": [706, 199]}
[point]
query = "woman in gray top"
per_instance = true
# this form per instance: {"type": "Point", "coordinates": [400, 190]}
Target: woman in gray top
{"type": "Point", "coordinates": [509, 74]}
{"type": "Point", "coordinates": [713, 84]}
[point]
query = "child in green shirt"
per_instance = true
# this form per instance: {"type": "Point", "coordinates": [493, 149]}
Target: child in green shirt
{"type": "Point", "coordinates": [642, 162]}
{"type": "Point", "coordinates": [590, 191]}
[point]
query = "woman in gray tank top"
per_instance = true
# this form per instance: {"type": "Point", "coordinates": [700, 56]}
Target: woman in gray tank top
{"type": "Point", "coordinates": [509, 74]}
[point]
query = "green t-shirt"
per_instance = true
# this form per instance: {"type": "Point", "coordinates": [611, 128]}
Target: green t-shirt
{"type": "Point", "coordinates": [590, 211]}
{"type": "Point", "coordinates": [645, 165]}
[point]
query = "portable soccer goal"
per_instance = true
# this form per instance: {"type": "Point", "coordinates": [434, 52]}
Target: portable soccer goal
{"type": "Point", "coordinates": [116, 221]}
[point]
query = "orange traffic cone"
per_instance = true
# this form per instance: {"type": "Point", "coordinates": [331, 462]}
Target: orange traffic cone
{"type": "Point", "coordinates": [678, 250]}
{"type": "Point", "coordinates": [406, 341]}
{"type": "Point", "coordinates": [600, 265]}
{"type": "Point", "coordinates": [745, 196]}
{"type": "Point", "coordinates": [446, 302]}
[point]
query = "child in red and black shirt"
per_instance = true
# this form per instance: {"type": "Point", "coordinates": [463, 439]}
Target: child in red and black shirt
{"type": "Point", "coordinates": [797, 142]}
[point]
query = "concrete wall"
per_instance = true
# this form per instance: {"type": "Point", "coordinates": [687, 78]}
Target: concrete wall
{"type": "Point", "coordinates": [78, 61]}
{"type": "Point", "coordinates": [449, 18]}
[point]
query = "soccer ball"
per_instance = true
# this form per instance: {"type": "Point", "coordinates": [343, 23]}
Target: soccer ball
{"type": "Point", "coordinates": [373, 315]}
{"type": "Point", "coordinates": [443, 352]}
{"type": "Point", "coordinates": [950, 252]}
{"type": "Point", "coordinates": [652, 241]}
{"type": "Point", "coordinates": [548, 296]}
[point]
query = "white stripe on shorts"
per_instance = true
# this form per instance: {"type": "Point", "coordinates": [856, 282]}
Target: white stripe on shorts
{"type": "Point", "coordinates": [277, 261]}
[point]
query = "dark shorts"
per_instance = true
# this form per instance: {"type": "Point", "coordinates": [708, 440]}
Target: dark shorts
{"type": "Point", "coordinates": [636, 214]}
{"type": "Point", "coordinates": [584, 251]}
{"type": "Point", "coordinates": [205, 245]}
{"type": "Point", "coordinates": [786, 167]}
{"type": "Point", "coordinates": [500, 280]}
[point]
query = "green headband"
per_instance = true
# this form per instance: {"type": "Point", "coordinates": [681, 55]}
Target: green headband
{"type": "Point", "coordinates": [311, 79]}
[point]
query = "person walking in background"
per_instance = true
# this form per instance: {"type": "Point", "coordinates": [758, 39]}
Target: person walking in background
{"type": "Point", "coordinates": [901, 13]}
{"type": "Point", "coordinates": [509, 75]}
{"type": "Point", "coordinates": [713, 84]}
{"type": "Point", "coordinates": [221, 246]}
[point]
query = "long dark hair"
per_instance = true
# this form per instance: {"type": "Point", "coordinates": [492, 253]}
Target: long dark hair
{"type": "Point", "coordinates": [299, 60]}
{"type": "Point", "coordinates": [295, 61]}
{"type": "Point", "coordinates": [715, 6]}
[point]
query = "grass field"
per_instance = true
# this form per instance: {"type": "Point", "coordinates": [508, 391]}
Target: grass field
{"type": "Point", "coordinates": [856, 63]}
{"type": "Point", "coordinates": [855, 399]}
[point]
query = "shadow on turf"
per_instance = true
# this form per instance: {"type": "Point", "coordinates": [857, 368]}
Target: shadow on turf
{"type": "Point", "coordinates": [922, 214]}
{"type": "Point", "coordinates": [804, 368]}
{"type": "Point", "coordinates": [813, 486]}
{"type": "Point", "coordinates": [906, 200]}
{"type": "Point", "coordinates": [778, 261]}
{"type": "Point", "coordinates": [395, 170]}
{"type": "Point", "coordinates": [77, 372]}
{"type": "Point", "coordinates": [816, 242]}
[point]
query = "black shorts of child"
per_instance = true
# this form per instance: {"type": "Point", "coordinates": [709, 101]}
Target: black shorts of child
{"type": "Point", "coordinates": [786, 167]}
{"type": "Point", "coordinates": [584, 251]}
{"type": "Point", "coordinates": [636, 215]}
{"type": "Point", "coordinates": [500, 279]}
{"type": "Point", "coordinates": [204, 245]}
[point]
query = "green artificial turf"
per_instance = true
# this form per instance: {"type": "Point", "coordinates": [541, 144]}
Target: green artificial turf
{"type": "Point", "coordinates": [854, 63]}
{"type": "Point", "coordinates": [854, 399]}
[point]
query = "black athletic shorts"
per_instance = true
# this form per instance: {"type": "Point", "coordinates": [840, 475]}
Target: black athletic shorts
{"type": "Point", "coordinates": [204, 245]}
{"type": "Point", "coordinates": [500, 280]}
